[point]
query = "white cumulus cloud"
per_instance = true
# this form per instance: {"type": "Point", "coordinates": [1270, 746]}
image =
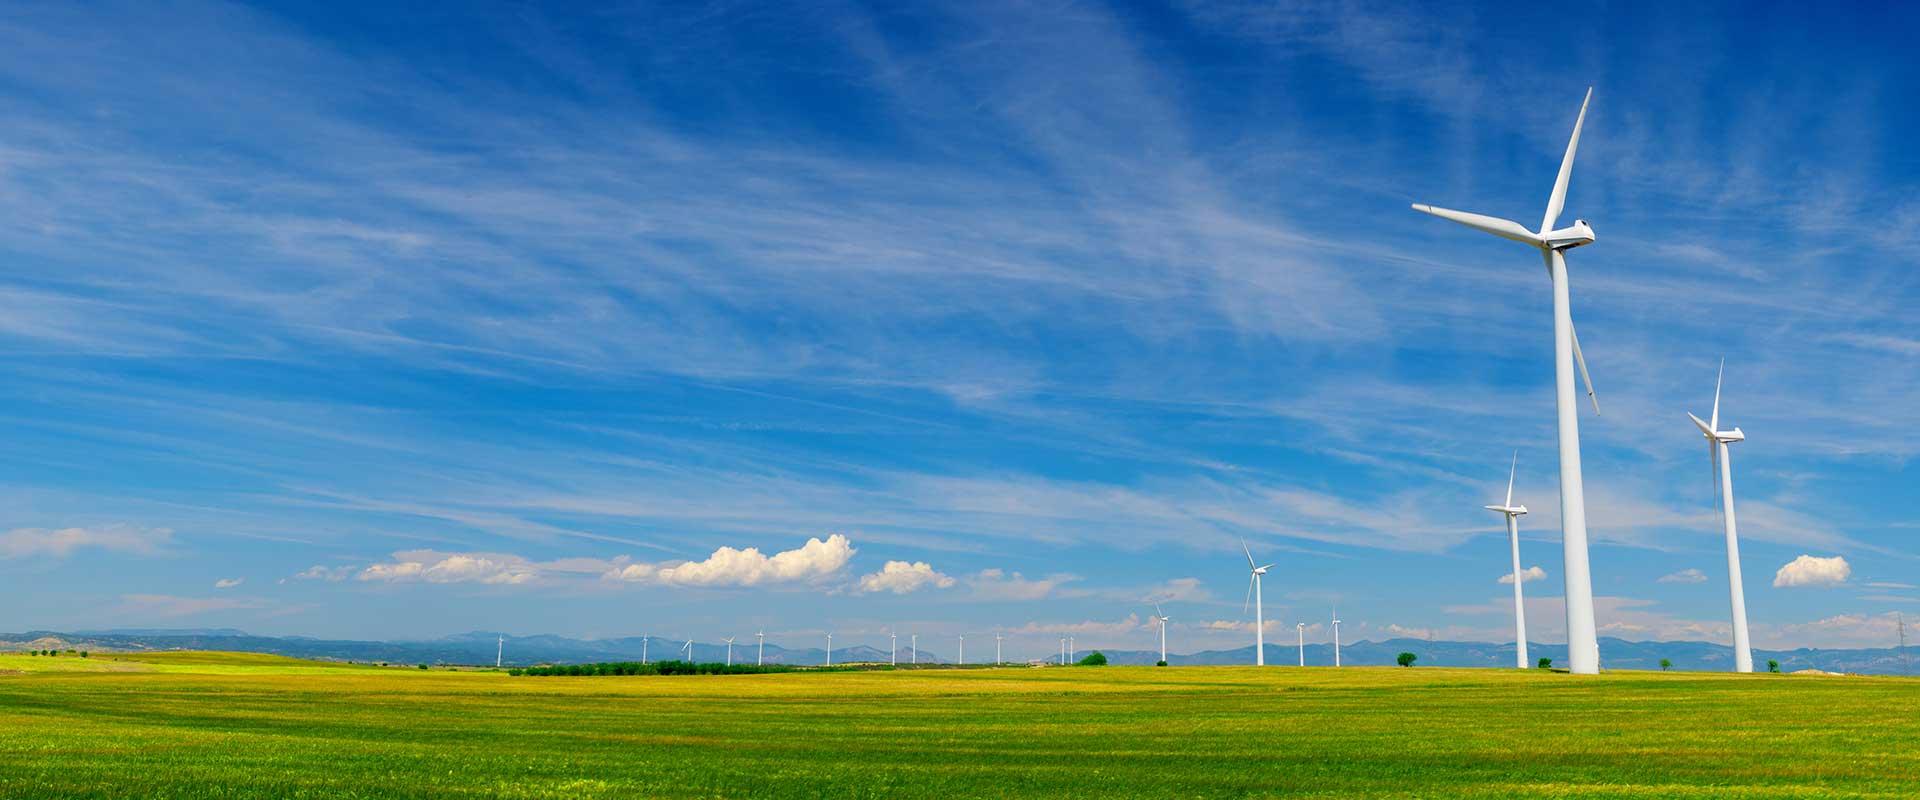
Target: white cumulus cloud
{"type": "Point", "coordinates": [1688, 575]}
{"type": "Point", "coordinates": [813, 561]}
{"type": "Point", "coordinates": [1813, 571]}
{"type": "Point", "coordinates": [25, 542]}
{"type": "Point", "coordinates": [1533, 573]}
{"type": "Point", "coordinates": [901, 577]}
{"type": "Point", "coordinates": [323, 573]}
{"type": "Point", "coordinates": [228, 583]}
{"type": "Point", "coordinates": [429, 566]}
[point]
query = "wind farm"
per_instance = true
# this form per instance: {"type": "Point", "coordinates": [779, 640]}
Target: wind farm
{"type": "Point", "coordinates": [382, 380]}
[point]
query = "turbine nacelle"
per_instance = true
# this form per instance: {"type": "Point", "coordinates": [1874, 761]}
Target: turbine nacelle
{"type": "Point", "coordinates": [1707, 430]}
{"type": "Point", "coordinates": [1575, 235]}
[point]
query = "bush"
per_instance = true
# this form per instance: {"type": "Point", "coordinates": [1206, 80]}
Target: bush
{"type": "Point", "coordinates": [1093, 659]}
{"type": "Point", "coordinates": [423, 666]}
{"type": "Point", "coordinates": [1665, 665]}
{"type": "Point", "coordinates": [1406, 659]}
{"type": "Point", "coordinates": [1160, 663]}
{"type": "Point", "coordinates": [1546, 663]}
{"type": "Point", "coordinates": [1772, 665]}
{"type": "Point", "coordinates": [83, 654]}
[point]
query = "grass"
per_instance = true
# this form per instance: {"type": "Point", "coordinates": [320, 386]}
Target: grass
{"type": "Point", "coordinates": [193, 725]}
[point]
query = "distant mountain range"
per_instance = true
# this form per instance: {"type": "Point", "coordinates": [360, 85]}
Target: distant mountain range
{"type": "Point", "coordinates": [478, 647]}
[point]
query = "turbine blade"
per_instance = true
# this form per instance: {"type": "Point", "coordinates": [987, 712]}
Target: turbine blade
{"type": "Point", "coordinates": [1581, 359]}
{"type": "Point", "coordinates": [1559, 198]}
{"type": "Point", "coordinates": [1702, 425]}
{"type": "Point", "coordinates": [1510, 471]}
{"type": "Point", "coordinates": [1243, 548]}
{"type": "Point", "coordinates": [1248, 602]}
{"type": "Point", "coordinates": [1715, 419]}
{"type": "Point", "coordinates": [1503, 228]}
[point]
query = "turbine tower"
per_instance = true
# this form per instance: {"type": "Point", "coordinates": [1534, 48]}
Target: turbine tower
{"type": "Point", "coordinates": [963, 649]}
{"type": "Point", "coordinates": [1336, 636]}
{"type": "Point", "coordinates": [996, 650]}
{"type": "Point", "coordinates": [1717, 441]}
{"type": "Point", "coordinates": [913, 649]}
{"type": "Point", "coordinates": [1513, 514]}
{"type": "Point", "coordinates": [893, 649]}
{"type": "Point", "coordinates": [829, 648]}
{"type": "Point", "coordinates": [1301, 628]}
{"type": "Point", "coordinates": [1162, 618]}
{"type": "Point", "coordinates": [1583, 647]}
{"type": "Point", "coordinates": [761, 659]}
{"type": "Point", "coordinates": [500, 653]}
{"type": "Point", "coordinates": [1259, 622]}
{"type": "Point", "coordinates": [643, 649]}
{"type": "Point", "coordinates": [689, 649]}
{"type": "Point", "coordinates": [729, 641]}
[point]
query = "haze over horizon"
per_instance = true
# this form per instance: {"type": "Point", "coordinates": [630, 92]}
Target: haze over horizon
{"type": "Point", "coordinates": [355, 323]}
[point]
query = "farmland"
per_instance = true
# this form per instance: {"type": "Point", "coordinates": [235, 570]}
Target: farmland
{"type": "Point", "coordinates": [235, 725]}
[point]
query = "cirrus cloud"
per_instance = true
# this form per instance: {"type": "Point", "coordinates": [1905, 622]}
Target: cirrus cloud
{"type": "Point", "coordinates": [1688, 575]}
{"type": "Point", "coordinates": [60, 543]}
{"type": "Point", "coordinates": [1813, 571]}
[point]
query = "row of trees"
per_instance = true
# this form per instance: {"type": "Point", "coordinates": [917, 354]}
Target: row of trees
{"type": "Point", "coordinates": [81, 653]}
{"type": "Point", "coordinates": [654, 668]}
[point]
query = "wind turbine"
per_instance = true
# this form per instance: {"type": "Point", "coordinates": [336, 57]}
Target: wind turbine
{"type": "Point", "coordinates": [893, 649]}
{"type": "Point", "coordinates": [1513, 514]}
{"type": "Point", "coordinates": [729, 641]}
{"type": "Point", "coordinates": [643, 649]}
{"type": "Point", "coordinates": [1063, 651]}
{"type": "Point", "coordinates": [913, 650]}
{"type": "Point", "coordinates": [761, 659]}
{"type": "Point", "coordinates": [1717, 441]}
{"type": "Point", "coordinates": [500, 653]}
{"type": "Point", "coordinates": [1259, 623]}
{"type": "Point", "coordinates": [689, 649]}
{"type": "Point", "coordinates": [996, 650]}
{"type": "Point", "coordinates": [1162, 618]}
{"type": "Point", "coordinates": [829, 648]}
{"type": "Point", "coordinates": [1301, 628]}
{"type": "Point", "coordinates": [1583, 646]}
{"type": "Point", "coordinates": [963, 649]}
{"type": "Point", "coordinates": [1336, 636]}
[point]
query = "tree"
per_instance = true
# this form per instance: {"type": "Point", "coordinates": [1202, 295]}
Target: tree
{"type": "Point", "coordinates": [1665, 664]}
{"type": "Point", "coordinates": [1406, 659]}
{"type": "Point", "coordinates": [83, 654]}
{"type": "Point", "coordinates": [1094, 659]}
{"type": "Point", "coordinates": [1546, 663]}
{"type": "Point", "coordinates": [1159, 663]}
{"type": "Point", "coordinates": [1772, 665]}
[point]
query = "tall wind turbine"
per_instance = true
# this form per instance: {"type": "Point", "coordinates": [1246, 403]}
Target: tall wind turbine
{"type": "Point", "coordinates": [1336, 636]}
{"type": "Point", "coordinates": [1162, 618]}
{"type": "Point", "coordinates": [996, 650]}
{"type": "Point", "coordinates": [1259, 622]}
{"type": "Point", "coordinates": [1717, 441]}
{"type": "Point", "coordinates": [1301, 628]}
{"type": "Point", "coordinates": [643, 649]}
{"type": "Point", "coordinates": [963, 649]}
{"type": "Point", "coordinates": [1583, 646]}
{"type": "Point", "coordinates": [893, 649]}
{"type": "Point", "coordinates": [829, 648]}
{"type": "Point", "coordinates": [913, 649]}
{"type": "Point", "coordinates": [500, 653]}
{"type": "Point", "coordinates": [729, 641]}
{"type": "Point", "coordinates": [1513, 514]}
{"type": "Point", "coordinates": [689, 649]}
{"type": "Point", "coordinates": [761, 659]}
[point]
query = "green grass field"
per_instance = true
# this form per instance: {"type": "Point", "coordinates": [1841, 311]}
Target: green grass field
{"type": "Point", "coordinates": [239, 725]}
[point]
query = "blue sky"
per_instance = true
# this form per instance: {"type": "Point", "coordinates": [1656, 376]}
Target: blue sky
{"type": "Point", "coordinates": [355, 323]}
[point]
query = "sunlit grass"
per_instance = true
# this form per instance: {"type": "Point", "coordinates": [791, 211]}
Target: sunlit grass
{"type": "Point", "coordinates": [220, 725]}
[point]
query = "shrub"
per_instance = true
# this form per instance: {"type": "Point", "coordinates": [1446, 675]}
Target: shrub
{"type": "Point", "coordinates": [423, 666]}
{"type": "Point", "coordinates": [1665, 665]}
{"type": "Point", "coordinates": [1094, 659]}
{"type": "Point", "coordinates": [1772, 665]}
{"type": "Point", "coordinates": [1160, 663]}
{"type": "Point", "coordinates": [1406, 659]}
{"type": "Point", "coordinates": [1546, 663]}
{"type": "Point", "coordinates": [83, 654]}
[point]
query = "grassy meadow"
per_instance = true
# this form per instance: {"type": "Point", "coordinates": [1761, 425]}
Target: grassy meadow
{"type": "Point", "coordinates": [219, 725]}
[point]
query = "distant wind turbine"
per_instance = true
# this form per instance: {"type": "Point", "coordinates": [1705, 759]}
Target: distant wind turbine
{"type": "Point", "coordinates": [1717, 441]}
{"type": "Point", "coordinates": [963, 649]}
{"type": "Point", "coordinates": [996, 650]}
{"type": "Point", "coordinates": [1161, 617]}
{"type": "Point", "coordinates": [500, 652]}
{"type": "Point", "coordinates": [913, 649]}
{"type": "Point", "coordinates": [1336, 636]}
{"type": "Point", "coordinates": [893, 649]}
{"type": "Point", "coordinates": [1259, 620]}
{"type": "Point", "coordinates": [643, 649]}
{"type": "Point", "coordinates": [1583, 645]}
{"type": "Point", "coordinates": [689, 649]}
{"type": "Point", "coordinates": [1301, 628]}
{"type": "Point", "coordinates": [729, 641]}
{"type": "Point", "coordinates": [829, 648]}
{"type": "Point", "coordinates": [761, 659]}
{"type": "Point", "coordinates": [1513, 514]}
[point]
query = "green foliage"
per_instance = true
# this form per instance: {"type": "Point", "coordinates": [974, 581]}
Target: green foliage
{"type": "Point", "coordinates": [1772, 665]}
{"type": "Point", "coordinates": [623, 668]}
{"type": "Point", "coordinates": [1665, 665]}
{"type": "Point", "coordinates": [1406, 659]}
{"type": "Point", "coordinates": [1159, 663]}
{"type": "Point", "coordinates": [1093, 659]}
{"type": "Point", "coordinates": [423, 666]}
{"type": "Point", "coordinates": [83, 654]}
{"type": "Point", "coordinates": [1546, 663]}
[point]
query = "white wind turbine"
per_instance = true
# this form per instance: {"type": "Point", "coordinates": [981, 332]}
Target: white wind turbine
{"type": "Point", "coordinates": [996, 650]}
{"type": "Point", "coordinates": [1259, 621]}
{"type": "Point", "coordinates": [729, 641]}
{"type": "Point", "coordinates": [963, 649]}
{"type": "Point", "coordinates": [893, 649]}
{"type": "Point", "coordinates": [1162, 618]}
{"type": "Point", "coordinates": [1717, 441]}
{"type": "Point", "coordinates": [1582, 643]}
{"type": "Point", "coordinates": [1301, 628]}
{"type": "Point", "coordinates": [500, 653]}
{"type": "Point", "coordinates": [689, 648]}
{"type": "Point", "coordinates": [1513, 514]}
{"type": "Point", "coordinates": [761, 659]}
{"type": "Point", "coordinates": [643, 649]}
{"type": "Point", "coordinates": [829, 648]}
{"type": "Point", "coordinates": [1336, 636]}
{"type": "Point", "coordinates": [913, 649]}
